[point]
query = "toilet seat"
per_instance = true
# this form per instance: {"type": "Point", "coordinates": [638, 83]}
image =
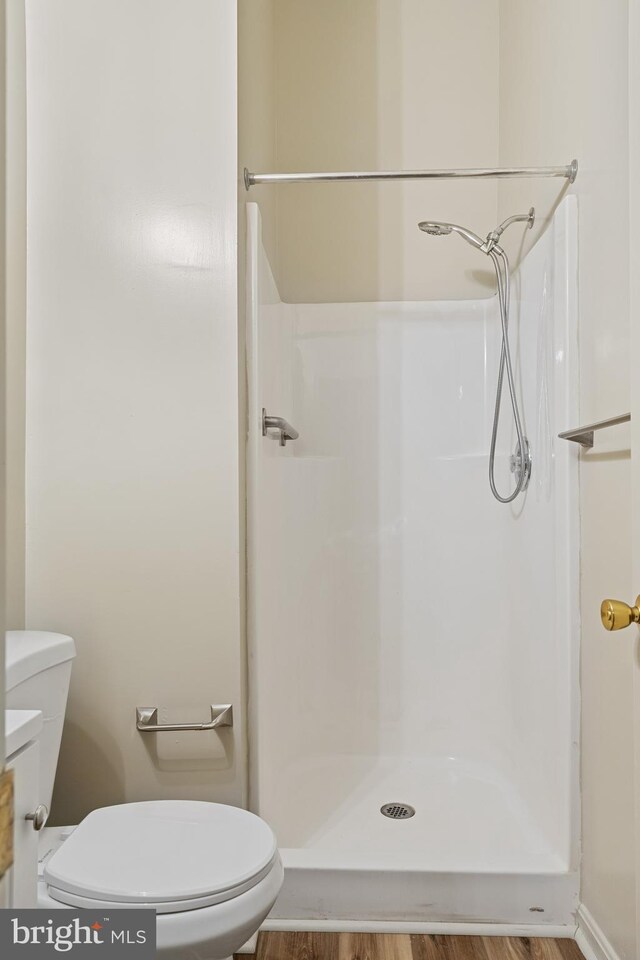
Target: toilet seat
{"type": "Point", "coordinates": [171, 855]}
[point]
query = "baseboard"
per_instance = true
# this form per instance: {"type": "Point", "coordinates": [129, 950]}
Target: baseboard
{"type": "Point", "coordinates": [591, 939]}
{"type": "Point", "coordinates": [444, 929]}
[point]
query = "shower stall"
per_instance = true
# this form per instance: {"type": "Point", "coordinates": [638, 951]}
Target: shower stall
{"type": "Point", "coordinates": [413, 643]}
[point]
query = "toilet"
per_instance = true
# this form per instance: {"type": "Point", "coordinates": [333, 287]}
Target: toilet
{"type": "Point", "coordinates": [211, 871]}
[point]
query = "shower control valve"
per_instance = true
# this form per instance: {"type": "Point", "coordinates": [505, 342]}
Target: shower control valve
{"type": "Point", "coordinates": [519, 465]}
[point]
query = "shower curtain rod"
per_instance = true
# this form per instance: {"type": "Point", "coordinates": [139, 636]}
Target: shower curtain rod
{"type": "Point", "coordinates": [569, 172]}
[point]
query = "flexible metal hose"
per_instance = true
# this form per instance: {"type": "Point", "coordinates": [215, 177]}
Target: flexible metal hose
{"type": "Point", "coordinates": [497, 254]}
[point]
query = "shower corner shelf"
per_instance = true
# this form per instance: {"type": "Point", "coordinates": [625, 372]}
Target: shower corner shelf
{"type": "Point", "coordinates": [584, 435]}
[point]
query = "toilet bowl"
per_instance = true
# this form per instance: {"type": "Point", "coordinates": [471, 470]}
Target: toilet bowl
{"type": "Point", "coordinates": [210, 871]}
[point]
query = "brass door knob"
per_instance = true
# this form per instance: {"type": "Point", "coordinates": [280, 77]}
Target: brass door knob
{"type": "Point", "coordinates": [615, 614]}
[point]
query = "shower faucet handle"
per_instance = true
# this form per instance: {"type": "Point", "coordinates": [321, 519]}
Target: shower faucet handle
{"type": "Point", "coordinates": [616, 614]}
{"type": "Point", "coordinates": [287, 432]}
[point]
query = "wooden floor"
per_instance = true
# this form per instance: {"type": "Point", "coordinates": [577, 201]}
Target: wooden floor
{"type": "Point", "coordinates": [368, 946]}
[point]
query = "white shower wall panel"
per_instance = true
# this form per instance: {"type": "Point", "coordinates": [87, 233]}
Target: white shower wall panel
{"type": "Point", "coordinates": [542, 540]}
{"type": "Point", "coordinates": [411, 639]}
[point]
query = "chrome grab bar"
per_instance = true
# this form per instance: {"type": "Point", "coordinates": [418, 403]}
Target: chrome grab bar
{"type": "Point", "coordinates": [287, 432]}
{"type": "Point", "coordinates": [584, 435]}
{"type": "Point", "coordinates": [147, 720]}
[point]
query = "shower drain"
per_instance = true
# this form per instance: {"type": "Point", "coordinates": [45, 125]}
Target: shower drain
{"type": "Point", "coordinates": [397, 811]}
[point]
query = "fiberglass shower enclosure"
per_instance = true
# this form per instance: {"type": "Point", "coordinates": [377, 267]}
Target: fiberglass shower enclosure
{"type": "Point", "coordinates": [411, 640]}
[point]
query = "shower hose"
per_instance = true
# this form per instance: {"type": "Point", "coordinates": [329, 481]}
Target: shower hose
{"type": "Point", "coordinates": [522, 459]}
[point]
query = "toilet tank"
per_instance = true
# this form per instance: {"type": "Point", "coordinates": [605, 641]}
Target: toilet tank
{"type": "Point", "coordinates": [38, 671]}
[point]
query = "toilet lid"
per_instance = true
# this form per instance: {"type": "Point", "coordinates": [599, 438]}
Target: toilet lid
{"type": "Point", "coordinates": [162, 852]}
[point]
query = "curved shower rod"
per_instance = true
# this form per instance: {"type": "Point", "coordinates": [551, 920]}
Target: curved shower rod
{"type": "Point", "coordinates": [569, 172]}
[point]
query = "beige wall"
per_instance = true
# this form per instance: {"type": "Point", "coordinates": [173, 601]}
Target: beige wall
{"type": "Point", "coordinates": [132, 410]}
{"type": "Point", "coordinates": [256, 138]}
{"type": "Point", "coordinates": [16, 289]}
{"type": "Point", "coordinates": [257, 121]}
{"type": "Point", "coordinates": [388, 84]}
{"type": "Point", "coordinates": [563, 86]}
{"type": "Point", "coordinates": [5, 48]}
{"type": "Point", "coordinates": [257, 126]}
{"type": "Point", "coordinates": [634, 312]}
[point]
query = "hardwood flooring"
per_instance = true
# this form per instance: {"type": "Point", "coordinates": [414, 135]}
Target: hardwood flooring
{"type": "Point", "coordinates": [369, 946]}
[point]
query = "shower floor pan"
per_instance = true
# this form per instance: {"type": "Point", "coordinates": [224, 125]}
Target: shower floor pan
{"type": "Point", "coordinates": [471, 853]}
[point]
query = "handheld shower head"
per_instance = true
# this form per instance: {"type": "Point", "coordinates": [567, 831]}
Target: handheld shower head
{"type": "Point", "coordinates": [437, 229]}
{"type": "Point", "coordinates": [522, 457]}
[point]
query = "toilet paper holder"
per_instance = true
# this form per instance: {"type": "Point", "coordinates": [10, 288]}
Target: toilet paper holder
{"type": "Point", "coordinates": [147, 720]}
